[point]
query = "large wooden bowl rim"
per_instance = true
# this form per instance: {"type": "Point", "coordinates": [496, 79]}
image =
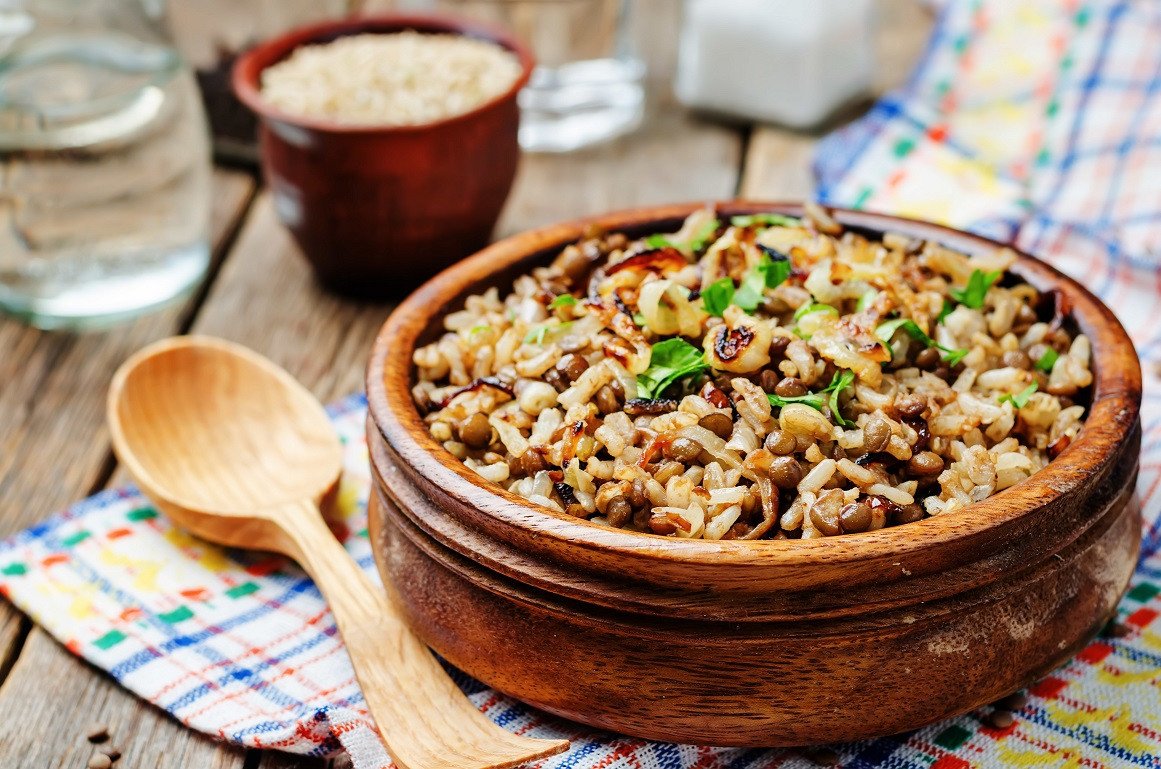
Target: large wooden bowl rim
{"type": "Point", "coordinates": [1110, 421]}
{"type": "Point", "coordinates": [248, 68]}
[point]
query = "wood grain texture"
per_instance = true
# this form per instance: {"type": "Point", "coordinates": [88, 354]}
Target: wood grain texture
{"type": "Point", "coordinates": [264, 456]}
{"type": "Point", "coordinates": [969, 606]}
{"type": "Point", "coordinates": [53, 386]}
{"type": "Point", "coordinates": [55, 452]}
{"type": "Point", "coordinates": [50, 698]}
{"type": "Point", "coordinates": [778, 160]}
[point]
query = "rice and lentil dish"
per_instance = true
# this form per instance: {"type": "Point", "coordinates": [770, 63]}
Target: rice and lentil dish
{"type": "Point", "coordinates": [762, 377]}
{"type": "Point", "coordinates": [401, 78]}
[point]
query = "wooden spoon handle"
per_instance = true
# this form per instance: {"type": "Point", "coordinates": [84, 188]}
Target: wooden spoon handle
{"type": "Point", "coordinates": [424, 719]}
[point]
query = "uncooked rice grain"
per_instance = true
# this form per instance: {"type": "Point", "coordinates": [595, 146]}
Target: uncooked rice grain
{"type": "Point", "coordinates": [403, 78]}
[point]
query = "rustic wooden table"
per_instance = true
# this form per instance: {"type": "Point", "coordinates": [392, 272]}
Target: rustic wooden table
{"type": "Point", "coordinates": [260, 293]}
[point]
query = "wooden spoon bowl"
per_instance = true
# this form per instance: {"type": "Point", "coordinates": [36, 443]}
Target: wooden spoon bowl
{"type": "Point", "coordinates": [230, 447]}
{"type": "Point", "coordinates": [751, 643]}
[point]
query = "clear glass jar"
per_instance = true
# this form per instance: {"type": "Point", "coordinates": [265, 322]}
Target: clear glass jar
{"type": "Point", "coordinates": [588, 84]}
{"type": "Point", "coordinates": [104, 164]}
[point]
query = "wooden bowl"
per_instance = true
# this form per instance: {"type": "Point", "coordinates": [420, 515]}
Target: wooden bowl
{"type": "Point", "coordinates": [751, 643]}
{"type": "Point", "coordinates": [380, 208]}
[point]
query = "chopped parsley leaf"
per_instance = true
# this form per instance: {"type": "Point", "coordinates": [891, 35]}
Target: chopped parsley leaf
{"type": "Point", "coordinates": [811, 307]}
{"type": "Point", "coordinates": [887, 330]}
{"type": "Point", "coordinates": [839, 382]}
{"type": "Point", "coordinates": [1047, 361]}
{"type": "Point", "coordinates": [670, 361]}
{"type": "Point", "coordinates": [972, 295]}
{"type": "Point", "coordinates": [1020, 399]}
{"type": "Point", "coordinates": [772, 269]}
{"type": "Point", "coordinates": [718, 296]}
{"type": "Point", "coordinates": [537, 334]}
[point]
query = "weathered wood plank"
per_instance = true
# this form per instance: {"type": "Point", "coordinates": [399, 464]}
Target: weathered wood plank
{"type": "Point", "coordinates": [52, 391]}
{"type": "Point", "coordinates": [50, 697]}
{"type": "Point", "coordinates": [778, 159]}
{"type": "Point", "coordinates": [55, 451]}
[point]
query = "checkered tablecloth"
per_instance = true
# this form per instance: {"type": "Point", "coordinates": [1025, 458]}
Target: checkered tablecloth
{"type": "Point", "coordinates": [1030, 120]}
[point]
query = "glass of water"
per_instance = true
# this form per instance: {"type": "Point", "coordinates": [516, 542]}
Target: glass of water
{"type": "Point", "coordinates": [104, 164]}
{"type": "Point", "coordinates": [588, 85]}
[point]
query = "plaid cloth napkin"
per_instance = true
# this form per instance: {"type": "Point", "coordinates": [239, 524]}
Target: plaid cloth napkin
{"type": "Point", "coordinates": [1028, 120]}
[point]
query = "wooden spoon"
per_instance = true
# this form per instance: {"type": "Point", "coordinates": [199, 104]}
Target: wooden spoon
{"type": "Point", "coordinates": [232, 448]}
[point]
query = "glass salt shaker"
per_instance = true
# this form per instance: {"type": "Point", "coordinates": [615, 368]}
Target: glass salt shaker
{"type": "Point", "coordinates": [793, 62]}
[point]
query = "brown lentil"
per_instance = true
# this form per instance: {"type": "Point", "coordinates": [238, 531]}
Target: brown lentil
{"type": "Point", "coordinates": [531, 462]}
{"type": "Point", "coordinates": [717, 423]}
{"type": "Point", "coordinates": [876, 434]}
{"type": "Point", "coordinates": [667, 470]}
{"type": "Point", "coordinates": [781, 443]}
{"type": "Point", "coordinates": [925, 463]}
{"type": "Point", "coordinates": [855, 517]}
{"type": "Point", "coordinates": [907, 513]}
{"type": "Point", "coordinates": [572, 366]}
{"type": "Point", "coordinates": [556, 379]}
{"type": "Point", "coordinates": [97, 733]}
{"type": "Point", "coordinates": [769, 379]}
{"type": "Point", "coordinates": [684, 450]}
{"type": "Point", "coordinates": [928, 359]}
{"type": "Point", "coordinates": [910, 405]}
{"type": "Point", "coordinates": [1000, 719]}
{"type": "Point", "coordinates": [778, 347]}
{"type": "Point", "coordinates": [790, 387]}
{"type": "Point", "coordinates": [475, 431]}
{"type": "Point", "coordinates": [1016, 359]}
{"type": "Point", "coordinates": [824, 514]}
{"type": "Point", "coordinates": [785, 472]}
{"type": "Point", "coordinates": [618, 512]}
{"type": "Point", "coordinates": [606, 401]}
{"type": "Point", "coordinates": [637, 496]}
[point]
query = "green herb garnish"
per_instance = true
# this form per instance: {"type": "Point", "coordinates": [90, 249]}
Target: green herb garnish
{"type": "Point", "coordinates": [477, 329]}
{"type": "Point", "coordinates": [840, 381]}
{"type": "Point", "coordinates": [703, 235]}
{"type": "Point", "coordinates": [659, 241]}
{"type": "Point", "coordinates": [639, 319]}
{"type": "Point", "coordinates": [670, 360]}
{"type": "Point", "coordinates": [537, 334]}
{"type": "Point", "coordinates": [812, 307]}
{"type": "Point", "coordinates": [1047, 361]}
{"type": "Point", "coordinates": [772, 269]}
{"type": "Point", "coordinates": [717, 296]}
{"type": "Point", "coordinates": [769, 220]}
{"type": "Point", "coordinates": [866, 299]}
{"type": "Point", "coordinates": [1020, 399]}
{"type": "Point", "coordinates": [972, 295]}
{"type": "Point", "coordinates": [564, 300]}
{"type": "Point", "coordinates": [887, 330]}
{"type": "Point", "coordinates": [944, 311]}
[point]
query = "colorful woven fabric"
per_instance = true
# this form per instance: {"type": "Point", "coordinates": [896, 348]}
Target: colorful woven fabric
{"type": "Point", "coordinates": [1034, 121]}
